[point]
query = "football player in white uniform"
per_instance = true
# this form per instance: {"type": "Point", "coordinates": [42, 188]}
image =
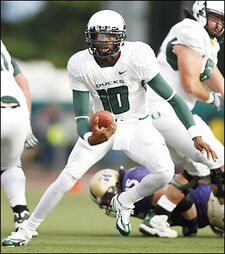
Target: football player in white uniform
{"type": "Point", "coordinates": [15, 133]}
{"type": "Point", "coordinates": [187, 59]}
{"type": "Point", "coordinates": [115, 73]}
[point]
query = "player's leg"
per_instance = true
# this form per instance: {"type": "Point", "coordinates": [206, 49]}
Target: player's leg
{"type": "Point", "coordinates": [82, 157]}
{"type": "Point", "coordinates": [216, 169]}
{"type": "Point", "coordinates": [183, 181]}
{"type": "Point", "coordinates": [188, 178]}
{"type": "Point", "coordinates": [13, 182]}
{"type": "Point", "coordinates": [179, 188]}
{"type": "Point", "coordinates": [167, 122]}
{"type": "Point", "coordinates": [12, 175]}
{"type": "Point", "coordinates": [147, 147]}
{"type": "Point", "coordinates": [175, 134]}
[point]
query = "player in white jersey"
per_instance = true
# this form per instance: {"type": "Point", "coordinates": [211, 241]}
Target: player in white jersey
{"type": "Point", "coordinates": [15, 133]}
{"type": "Point", "coordinates": [187, 58]}
{"type": "Point", "coordinates": [115, 73]}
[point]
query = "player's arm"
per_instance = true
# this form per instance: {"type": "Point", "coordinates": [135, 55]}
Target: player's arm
{"type": "Point", "coordinates": [22, 82]}
{"type": "Point", "coordinates": [81, 110]}
{"type": "Point", "coordinates": [216, 81]}
{"type": "Point", "coordinates": [162, 88]}
{"type": "Point", "coordinates": [189, 65]}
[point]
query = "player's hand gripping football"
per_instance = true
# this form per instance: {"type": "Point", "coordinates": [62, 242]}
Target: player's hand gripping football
{"type": "Point", "coordinates": [101, 135]}
{"type": "Point", "coordinates": [202, 146]}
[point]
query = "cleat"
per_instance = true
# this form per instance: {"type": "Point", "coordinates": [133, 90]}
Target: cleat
{"type": "Point", "coordinates": [34, 233]}
{"type": "Point", "coordinates": [19, 238]}
{"type": "Point", "coordinates": [19, 218]}
{"type": "Point", "coordinates": [122, 216]}
{"type": "Point", "coordinates": [156, 225]}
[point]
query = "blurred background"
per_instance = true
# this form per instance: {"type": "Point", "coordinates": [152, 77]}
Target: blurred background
{"type": "Point", "coordinates": [42, 36]}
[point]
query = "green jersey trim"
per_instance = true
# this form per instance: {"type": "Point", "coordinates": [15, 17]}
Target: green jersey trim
{"type": "Point", "coordinates": [171, 56]}
{"type": "Point", "coordinates": [15, 67]}
{"type": "Point", "coordinates": [81, 111]}
{"type": "Point", "coordinates": [9, 99]}
{"type": "Point", "coordinates": [182, 111]}
{"type": "Point", "coordinates": [162, 88]}
{"type": "Point", "coordinates": [83, 126]}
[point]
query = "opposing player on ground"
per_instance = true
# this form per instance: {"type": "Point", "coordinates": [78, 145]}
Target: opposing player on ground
{"type": "Point", "coordinates": [15, 133]}
{"type": "Point", "coordinates": [188, 61]}
{"type": "Point", "coordinates": [198, 209]}
{"type": "Point", "coordinates": [115, 73]}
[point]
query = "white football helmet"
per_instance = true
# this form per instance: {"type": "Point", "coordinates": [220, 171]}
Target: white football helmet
{"type": "Point", "coordinates": [105, 22]}
{"type": "Point", "coordinates": [215, 215]}
{"type": "Point", "coordinates": [103, 186]}
{"type": "Point", "coordinates": [201, 10]}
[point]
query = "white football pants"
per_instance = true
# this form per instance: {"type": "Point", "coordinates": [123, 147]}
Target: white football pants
{"type": "Point", "coordinates": [137, 138]}
{"type": "Point", "coordinates": [179, 143]}
{"type": "Point", "coordinates": [14, 124]}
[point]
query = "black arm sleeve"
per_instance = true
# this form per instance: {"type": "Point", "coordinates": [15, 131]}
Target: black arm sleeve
{"type": "Point", "coordinates": [81, 109]}
{"type": "Point", "coordinates": [163, 89]}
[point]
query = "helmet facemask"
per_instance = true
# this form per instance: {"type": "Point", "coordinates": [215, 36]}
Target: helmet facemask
{"type": "Point", "coordinates": [103, 186]}
{"type": "Point", "coordinates": [102, 38]}
{"type": "Point", "coordinates": [218, 20]}
{"type": "Point", "coordinates": [205, 11]}
{"type": "Point", "coordinates": [106, 200]}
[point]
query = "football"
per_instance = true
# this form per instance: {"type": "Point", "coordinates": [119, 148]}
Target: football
{"type": "Point", "coordinates": [105, 119]}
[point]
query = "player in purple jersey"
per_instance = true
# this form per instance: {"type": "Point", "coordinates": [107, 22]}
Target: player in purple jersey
{"type": "Point", "coordinates": [198, 209]}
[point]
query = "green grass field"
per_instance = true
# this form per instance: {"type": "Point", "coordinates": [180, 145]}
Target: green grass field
{"type": "Point", "coordinates": [77, 225]}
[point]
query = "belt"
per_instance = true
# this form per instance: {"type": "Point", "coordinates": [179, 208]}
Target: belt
{"type": "Point", "coordinates": [14, 106]}
{"type": "Point", "coordinates": [124, 119]}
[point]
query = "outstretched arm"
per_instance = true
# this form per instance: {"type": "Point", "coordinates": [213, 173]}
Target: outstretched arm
{"type": "Point", "coordinates": [161, 87]}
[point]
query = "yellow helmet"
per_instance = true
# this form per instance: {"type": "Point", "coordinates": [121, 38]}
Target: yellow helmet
{"type": "Point", "coordinates": [103, 186]}
{"type": "Point", "coordinates": [215, 215]}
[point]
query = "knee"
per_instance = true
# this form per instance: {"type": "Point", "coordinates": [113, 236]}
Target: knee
{"type": "Point", "coordinates": [165, 177]}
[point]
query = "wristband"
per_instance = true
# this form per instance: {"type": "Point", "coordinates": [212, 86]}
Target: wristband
{"type": "Point", "coordinates": [194, 132]}
{"type": "Point", "coordinates": [211, 98]}
{"type": "Point", "coordinates": [87, 135]}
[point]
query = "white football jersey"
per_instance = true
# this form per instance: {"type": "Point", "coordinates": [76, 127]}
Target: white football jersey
{"type": "Point", "coordinates": [191, 34]}
{"type": "Point", "coordinates": [9, 87]}
{"type": "Point", "coordinates": [121, 88]}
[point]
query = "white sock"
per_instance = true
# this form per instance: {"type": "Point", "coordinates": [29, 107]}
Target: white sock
{"type": "Point", "coordinates": [32, 223]}
{"type": "Point", "coordinates": [129, 197]}
{"type": "Point", "coordinates": [166, 203]}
